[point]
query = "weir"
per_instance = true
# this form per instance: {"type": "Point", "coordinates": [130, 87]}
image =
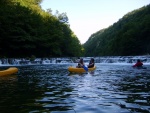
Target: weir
{"type": "Point", "coordinates": [103, 59]}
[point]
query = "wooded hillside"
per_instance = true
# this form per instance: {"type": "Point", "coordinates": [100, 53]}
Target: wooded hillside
{"type": "Point", "coordinates": [129, 36]}
{"type": "Point", "coordinates": [26, 29]}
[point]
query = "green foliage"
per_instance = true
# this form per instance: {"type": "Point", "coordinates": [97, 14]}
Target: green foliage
{"type": "Point", "coordinates": [129, 36]}
{"type": "Point", "coordinates": [28, 30]}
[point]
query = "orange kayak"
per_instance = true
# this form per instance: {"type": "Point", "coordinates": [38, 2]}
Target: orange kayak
{"type": "Point", "coordinates": [80, 70]}
{"type": "Point", "coordinates": [9, 71]}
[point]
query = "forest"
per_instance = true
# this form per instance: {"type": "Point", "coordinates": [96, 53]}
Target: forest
{"type": "Point", "coordinates": [129, 36]}
{"type": "Point", "coordinates": [27, 30]}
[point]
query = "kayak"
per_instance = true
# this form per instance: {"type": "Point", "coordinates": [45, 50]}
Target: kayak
{"type": "Point", "coordinates": [9, 71]}
{"type": "Point", "coordinates": [80, 70]}
{"type": "Point", "coordinates": [140, 67]}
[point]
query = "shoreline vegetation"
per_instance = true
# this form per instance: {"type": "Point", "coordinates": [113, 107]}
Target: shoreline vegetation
{"type": "Point", "coordinates": [127, 37]}
{"type": "Point", "coordinates": [27, 30]}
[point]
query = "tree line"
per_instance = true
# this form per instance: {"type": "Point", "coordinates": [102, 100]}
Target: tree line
{"type": "Point", "coordinates": [129, 36]}
{"type": "Point", "coordinates": [26, 30]}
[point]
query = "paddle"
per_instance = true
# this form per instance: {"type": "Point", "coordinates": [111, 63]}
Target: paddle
{"type": "Point", "coordinates": [85, 68]}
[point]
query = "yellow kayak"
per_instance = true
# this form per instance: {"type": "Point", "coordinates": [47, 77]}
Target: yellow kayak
{"type": "Point", "coordinates": [80, 70]}
{"type": "Point", "coordinates": [9, 71]}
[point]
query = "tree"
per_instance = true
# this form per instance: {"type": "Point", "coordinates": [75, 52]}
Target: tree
{"type": "Point", "coordinates": [28, 30]}
{"type": "Point", "coordinates": [129, 36]}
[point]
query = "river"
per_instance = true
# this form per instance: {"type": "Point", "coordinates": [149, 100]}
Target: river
{"type": "Point", "coordinates": [111, 88]}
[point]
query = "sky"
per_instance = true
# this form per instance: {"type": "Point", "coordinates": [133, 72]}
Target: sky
{"type": "Point", "coordinates": [89, 16]}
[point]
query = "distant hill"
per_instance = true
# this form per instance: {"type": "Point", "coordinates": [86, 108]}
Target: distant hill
{"type": "Point", "coordinates": [129, 36]}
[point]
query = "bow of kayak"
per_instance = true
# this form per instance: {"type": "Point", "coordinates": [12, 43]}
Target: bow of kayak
{"type": "Point", "coordinates": [9, 71]}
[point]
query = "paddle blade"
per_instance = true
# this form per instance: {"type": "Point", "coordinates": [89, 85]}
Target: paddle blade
{"type": "Point", "coordinates": [85, 68]}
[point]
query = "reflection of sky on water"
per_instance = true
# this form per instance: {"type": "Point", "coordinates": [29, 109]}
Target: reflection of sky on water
{"type": "Point", "coordinates": [51, 88]}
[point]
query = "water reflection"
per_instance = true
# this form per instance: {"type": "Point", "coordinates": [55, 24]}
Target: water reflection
{"type": "Point", "coordinates": [51, 88]}
{"type": "Point", "coordinates": [137, 91]}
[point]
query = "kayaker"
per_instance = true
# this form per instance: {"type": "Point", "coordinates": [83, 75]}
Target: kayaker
{"type": "Point", "coordinates": [80, 64]}
{"type": "Point", "coordinates": [91, 63]}
{"type": "Point", "coordinates": [138, 64]}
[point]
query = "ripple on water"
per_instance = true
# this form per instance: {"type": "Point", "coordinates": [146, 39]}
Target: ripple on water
{"type": "Point", "coordinates": [50, 88]}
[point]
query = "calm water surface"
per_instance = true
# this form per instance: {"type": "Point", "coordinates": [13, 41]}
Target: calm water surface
{"type": "Point", "coordinates": [111, 88]}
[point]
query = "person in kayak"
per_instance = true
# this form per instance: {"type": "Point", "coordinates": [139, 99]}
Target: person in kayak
{"type": "Point", "coordinates": [91, 63]}
{"type": "Point", "coordinates": [138, 64]}
{"type": "Point", "coordinates": [80, 64]}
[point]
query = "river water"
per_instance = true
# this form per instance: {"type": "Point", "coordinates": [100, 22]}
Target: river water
{"type": "Point", "coordinates": [111, 88]}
